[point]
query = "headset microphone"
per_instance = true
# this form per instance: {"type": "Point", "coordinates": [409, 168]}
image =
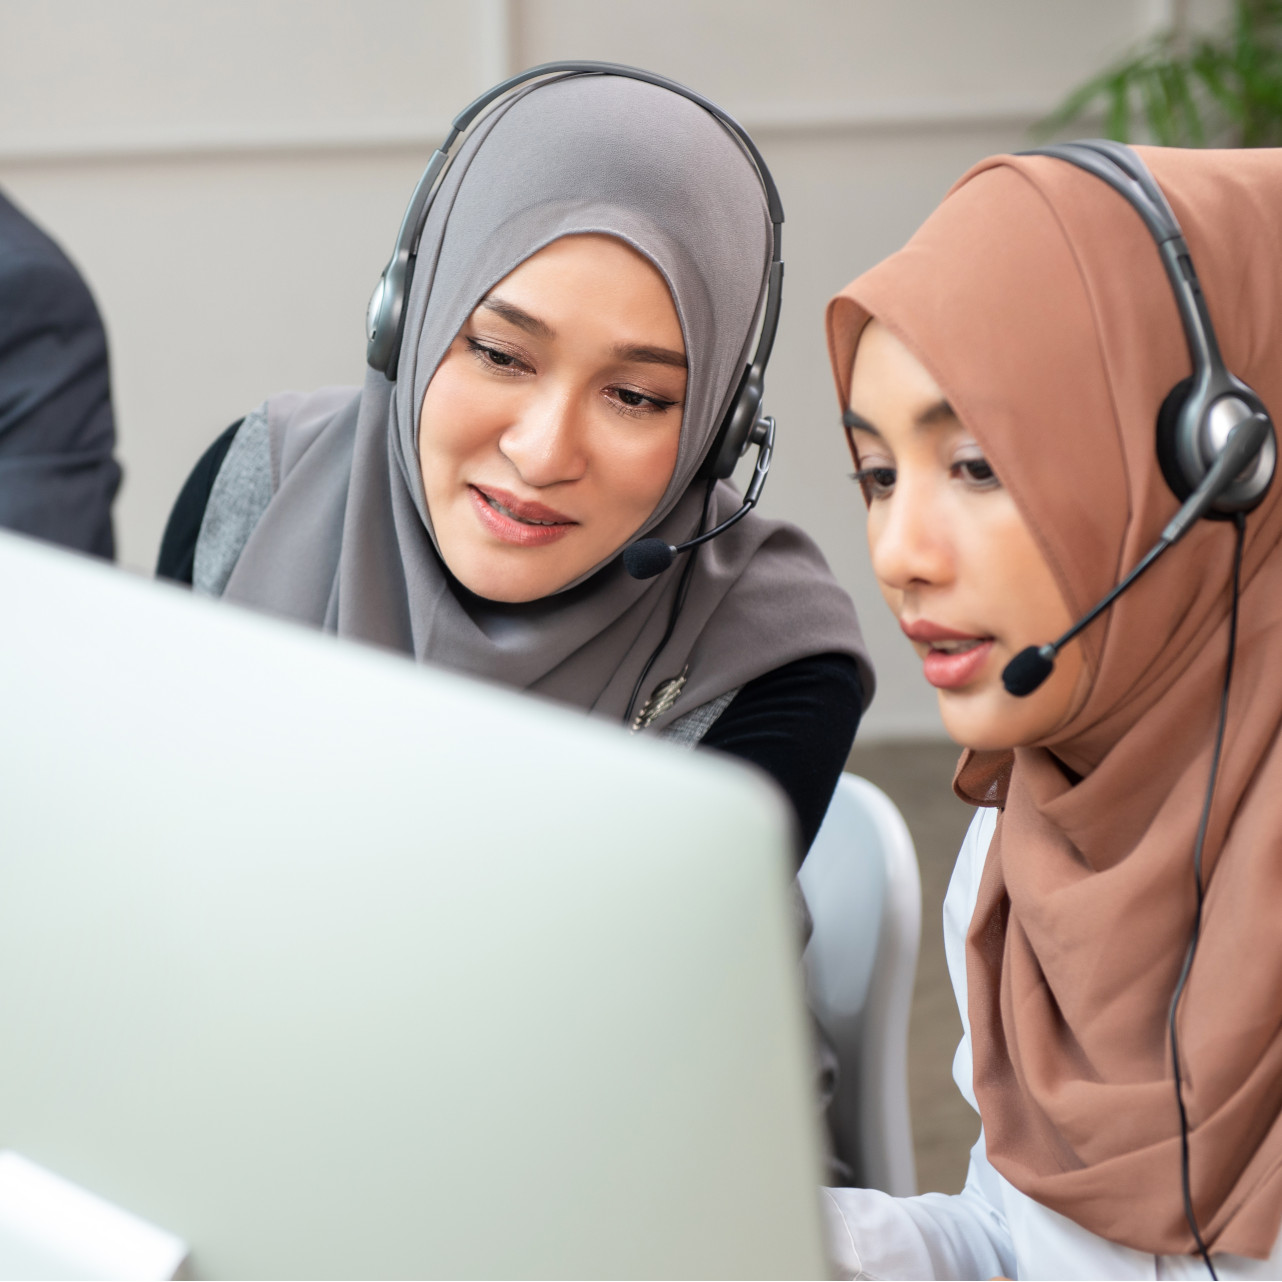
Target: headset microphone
{"type": "Point", "coordinates": [1031, 666]}
{"type": "Point", "coordinates": [648, 557]}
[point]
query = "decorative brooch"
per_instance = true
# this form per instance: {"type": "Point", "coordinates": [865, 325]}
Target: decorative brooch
{"type": "Point", "coordinates": [662, 697]}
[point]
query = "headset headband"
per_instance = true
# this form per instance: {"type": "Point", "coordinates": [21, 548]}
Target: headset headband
{"type": "Point", "coordinates": [742, 424]}
{"type": "Point", "coordinates": [415, 219]}
{"type": "Point", "coordinates": [1198, 414]}
{"type": "Point", "coordinates": [1117, 165]}
{"type": "Point", "coordinates": [474, 109]}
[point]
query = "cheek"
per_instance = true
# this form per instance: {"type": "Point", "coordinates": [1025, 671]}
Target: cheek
{"type": "Point", "coordinates": [1005, 566]}
{"type": "Point", "coordinates": [456, 418]}
{"type": "Point", "coordinates": [1038, 611]}
{"type": "Point", "coordinates": [1024, 607]}
{"type": "Point", "coordinates": [640, 469]}
{"type": "Point", "coordinates": [875, 527]}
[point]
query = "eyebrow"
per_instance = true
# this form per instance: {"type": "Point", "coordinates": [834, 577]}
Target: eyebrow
{"type": "Point", "coordinates": [857, 423]}
{"type": "Point", "coordinates": [518, 316]}
{"type": "Point", "coordinates": [650, 355]}
{"type": "Point", "coordinates": [940, 412]}
{"type": "Point", "coordinates": [637, 353]}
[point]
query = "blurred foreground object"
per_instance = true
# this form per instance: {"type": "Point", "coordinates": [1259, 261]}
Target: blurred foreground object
{"type": "Point", "coordinates": [49, 1228]}
{"type": "Point", "coordinates": [405, 1002]}
{"type": "Point", "coordinates": [1222, 89]}
{"type": "Point", "coordinates": [57, 474]}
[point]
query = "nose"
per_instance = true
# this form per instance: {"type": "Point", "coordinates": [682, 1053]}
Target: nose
{"type": "Point", "coordinates": [546, 441]}
{"type": "Point", "coordinates": [908, 537]}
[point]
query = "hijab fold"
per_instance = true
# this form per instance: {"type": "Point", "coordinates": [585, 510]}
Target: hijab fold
{"type": "Point", "coordinates": [347, 541]}
{"type": "Point", "coordinates": [1036, 298]}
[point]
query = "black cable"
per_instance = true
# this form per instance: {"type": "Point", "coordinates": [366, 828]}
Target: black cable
{"type": "Point", "coordinates": [1189, 1214]}
{"type": "Point", "coordinates": [683, 587]}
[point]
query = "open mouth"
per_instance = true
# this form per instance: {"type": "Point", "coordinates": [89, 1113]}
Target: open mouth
{"type": "Point", "coordinates": [950, 664]}
{"type": "Point", "coordinates": [517, 522]}
{"type": "Point", "coordinates": [515, 516]}
{"type": "Point", "coordinates": [960, 646]}
{"type": "Point", "coordinates": [953, 659]}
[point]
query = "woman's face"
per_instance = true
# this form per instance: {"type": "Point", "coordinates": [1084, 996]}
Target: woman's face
{"type": "Point", "coordinates": [952, 555]}
{"type": "Point", "coordinates": [549, 432]}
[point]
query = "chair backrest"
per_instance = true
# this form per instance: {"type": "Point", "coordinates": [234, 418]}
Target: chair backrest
{"type": "Point", "coordinates": [863, 890]}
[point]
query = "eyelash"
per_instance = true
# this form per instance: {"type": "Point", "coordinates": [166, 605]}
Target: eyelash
{"type": "Point", "coordinates": [872, 487]}
{"type": "Point", "coordinates": [878, 482]}
{"type": "Point", "coordinates": [494, 358]}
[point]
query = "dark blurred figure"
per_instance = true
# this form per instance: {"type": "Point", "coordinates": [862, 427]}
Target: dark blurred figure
{"type": "Point", "coordinates": [57, 475]}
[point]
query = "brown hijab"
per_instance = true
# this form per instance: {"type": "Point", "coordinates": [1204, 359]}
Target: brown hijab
{"type": "Point", "coordinates": [1035, 297]}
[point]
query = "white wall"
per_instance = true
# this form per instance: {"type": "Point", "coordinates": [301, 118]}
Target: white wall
{"type": "Point", "coordinates": [230, 174]}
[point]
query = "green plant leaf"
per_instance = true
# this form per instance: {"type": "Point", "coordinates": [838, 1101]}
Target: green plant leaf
{"type": "Point", "coordinates": [1209, 64]}
{"type": "Point", "coordinates": [1156, 110]}
{"type": "Point", "coordinates": [1184, 109]}
{"type": "Point", "coordinates": [1225, 87]}
{"type": "Point", "coordinates": [1078, 103]}
{"type": "Point", "coordinates": [1119, 109]}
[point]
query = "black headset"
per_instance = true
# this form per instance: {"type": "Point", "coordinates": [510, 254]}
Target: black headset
{"type": "Point", "coordinates": [1218, 452]}
{"type": "Point", "coordinates": [1200, 411]}
{"type": "Point", "coordinates": [1216, 443]}
{"type": "Point", "coordinates": [743, 424]}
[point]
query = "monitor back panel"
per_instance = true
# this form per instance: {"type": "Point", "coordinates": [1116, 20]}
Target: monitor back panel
{"type": "Point", "coordinates": [336, 965]}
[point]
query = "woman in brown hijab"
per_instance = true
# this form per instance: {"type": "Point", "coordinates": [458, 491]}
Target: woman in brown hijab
{"type": "Point", "coordinates": [1002, 377]}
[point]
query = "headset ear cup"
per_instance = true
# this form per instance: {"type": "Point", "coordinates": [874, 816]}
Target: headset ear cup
{"type": "Point", "coordinates": [1168, 422]}
{"type": "Point", "coordinates": [731, 441]}
{"type": "Point", "coordinates": [403, 286]}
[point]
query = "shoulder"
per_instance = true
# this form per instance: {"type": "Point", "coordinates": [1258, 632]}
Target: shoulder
{"type": "Point", "coordinates": [786, 597]}
{"type": "Point", "coordinates": [959, 908]}
{"type": "Point", "coordinates": [963, 891]}
{"type": "Point", "coordinates": [38, 279]}
{"type": "Point", "coordinates": [218, 507]}
{"type": "Point", "coordinates": [178, 543]}
{"type": "Point", "coordinates": [819, 689]}
{"type": "Point", "coordinates": [827, 685]}
{"type": "Point", "coordinates": [235, 480]}
{"type": "Point", "coordinates": [797, 723]}
{"type": "Point", "coordinates": [238, 497]}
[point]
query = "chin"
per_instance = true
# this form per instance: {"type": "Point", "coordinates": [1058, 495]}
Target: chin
{"type": "Point", "coordinates": [993, 721]}
{"type": "Point", "coordinates": [506, 589]}
{"type": "Point", "coordinates": [979, 721]}
{"type": "Point", "coordinates": [508, 581]}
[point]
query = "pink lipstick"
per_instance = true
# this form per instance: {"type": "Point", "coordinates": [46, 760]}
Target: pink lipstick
{"type": "Point", "coordinates": [953, 659]}
{"type": "Point", "coordinates": [521, 522]}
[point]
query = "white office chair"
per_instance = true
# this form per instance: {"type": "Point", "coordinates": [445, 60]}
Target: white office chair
{"type": "Point", "coordinates": [863, 890]}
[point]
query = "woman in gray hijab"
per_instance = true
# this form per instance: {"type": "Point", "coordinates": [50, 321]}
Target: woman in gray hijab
{"type": "Point", "coordinates": [587, 286]}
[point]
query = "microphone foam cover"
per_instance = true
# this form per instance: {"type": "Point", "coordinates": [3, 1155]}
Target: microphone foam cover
{"type": "Point", "coordinates": [1028, 669]}
{"type": "Point", "coordinates": [645, 559]}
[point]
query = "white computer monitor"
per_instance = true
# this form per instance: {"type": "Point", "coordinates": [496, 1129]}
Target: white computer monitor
{"type": "Point", "coordinates": [335, 965]}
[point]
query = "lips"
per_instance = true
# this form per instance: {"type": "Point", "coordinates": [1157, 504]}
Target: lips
{"type": "Point", "coordinates": [522, 509]}
{"type": "Point", "coordinates": [953, 659]}
{"type": "Point", "coordinates": [517, 521]}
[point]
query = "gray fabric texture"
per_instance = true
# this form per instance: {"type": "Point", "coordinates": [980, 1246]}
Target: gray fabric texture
{"type": "Point", "coordinates": [347, 542]}
{"type": "Point", "coordinates": [688, 730]}
{"type": "Point", "coordinates": [240, 495]}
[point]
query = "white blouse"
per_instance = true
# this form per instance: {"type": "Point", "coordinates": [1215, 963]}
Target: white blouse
{"type": "Point", "coordinates": [989, 1229]}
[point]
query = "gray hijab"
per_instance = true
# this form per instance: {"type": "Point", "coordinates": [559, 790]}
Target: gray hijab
{"type": "Point", "coordinates": [347, 542]}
